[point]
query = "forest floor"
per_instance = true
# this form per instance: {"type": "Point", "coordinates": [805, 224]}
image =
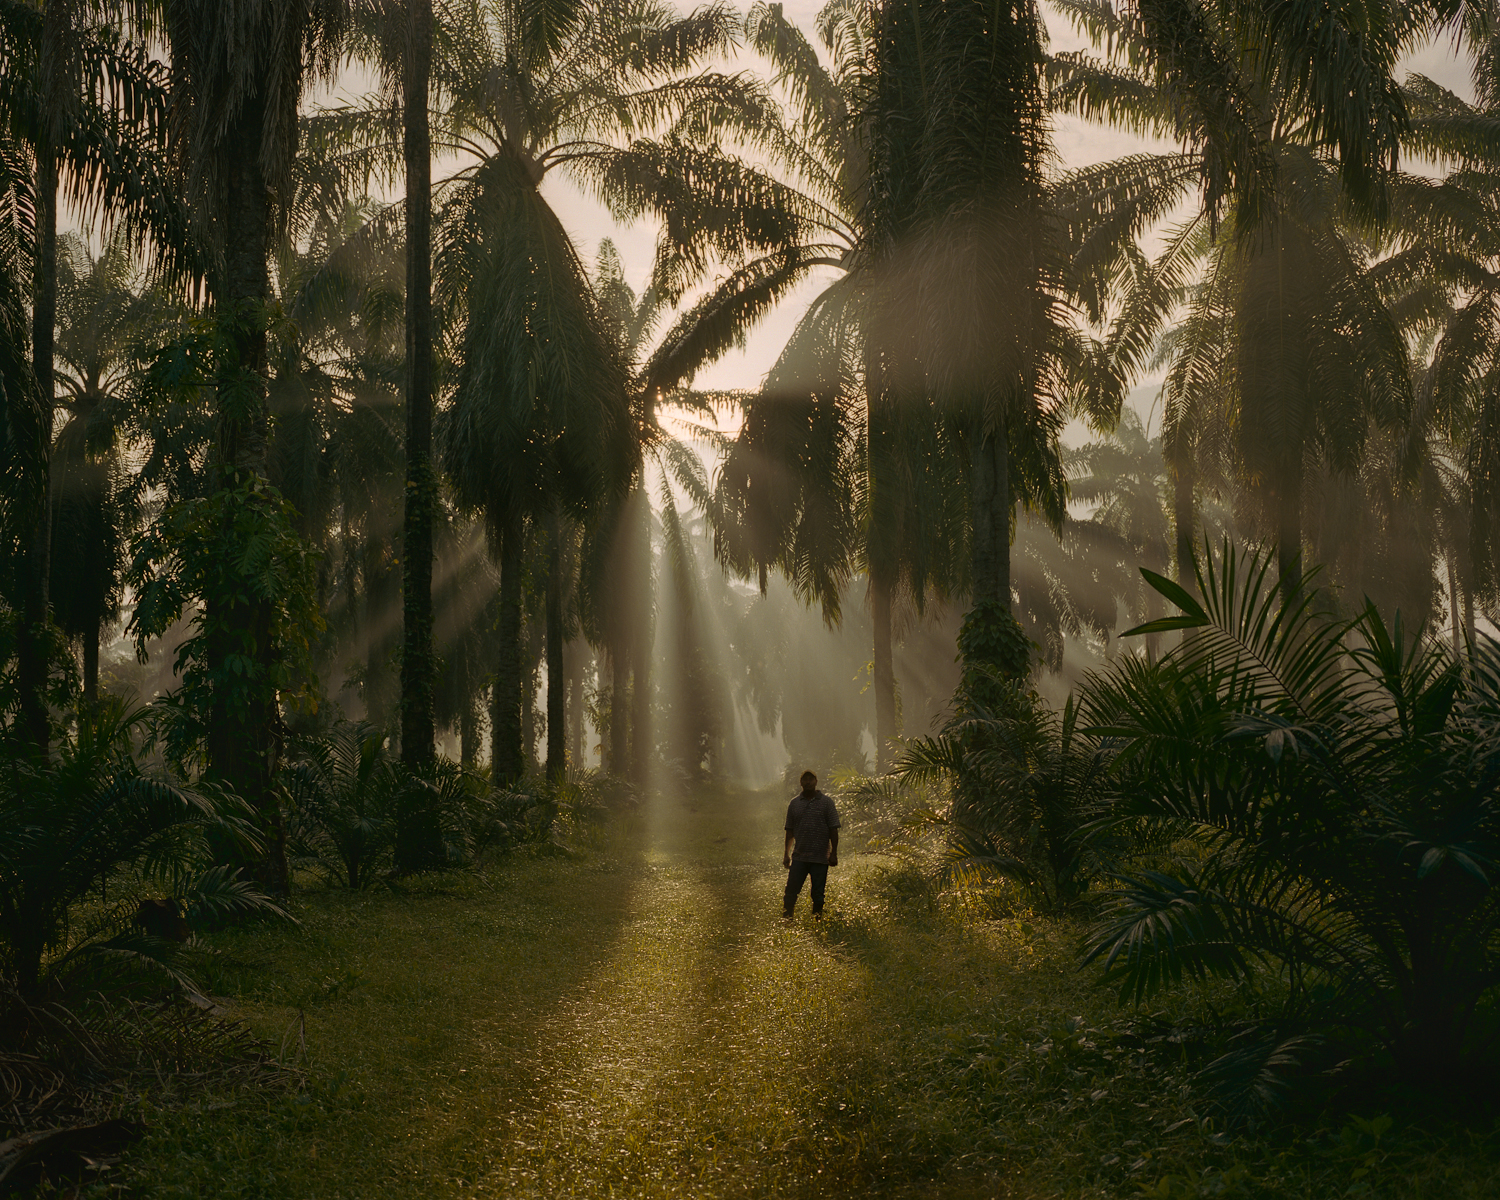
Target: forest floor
{"type": "Point", "coordinates": [634, 1020]}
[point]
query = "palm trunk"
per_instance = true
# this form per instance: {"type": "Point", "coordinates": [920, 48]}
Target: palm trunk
{"type": "Point", "coordinates": [244, 725]}
{"type": "Point", "coordinates": [468, 734]}
{"type": "Point", "coordinates": [575, 664]}
{"type": "Point", "coordinates": [528, 708]}
{"type": "Point", "coordinates": [379, 601]}
{"type": "Point", "coordinates": [417, 663]}
{"type": "Point", "coordinates": [640, 707]}
{"type": "Point", "coordinates": [884, 669]}
{"type": "Point", "coordinates": [507, 762]}
{"type": "Point", "coordinates": [990, 490]}
{"type": "Point", "coordinates": [1183, 515]}
{"type": "Point", "coordinates": [604, 686]}
{"type": "Point", "coordinates": [557, 681]}
{"type": "Point", "coordinates": [1288, 502]}
{"type": "Point", "coordinates": [31, 645]}
{"type": "Point", "coordinates": [641, 637]}
{"type": "Point", "coordinates": [1469, 629]}
{"type": "Point", "coordinates": [619, 710]}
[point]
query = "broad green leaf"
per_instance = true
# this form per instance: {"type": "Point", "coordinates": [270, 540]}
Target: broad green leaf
{"type": "Point", "coordinates": [1166, 625]}
{"type": "Point", "coordinates": [1175, 593]}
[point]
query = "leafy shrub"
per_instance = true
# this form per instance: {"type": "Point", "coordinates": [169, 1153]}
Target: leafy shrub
{"type": "Point", "coordinates": [358, 815]}
{"type": "Point", "coordinates": [94, 817]}
{"type": "Point", "coordinates": [341, 790]}
{"type": "Point", "coordinates": [1334, 789]}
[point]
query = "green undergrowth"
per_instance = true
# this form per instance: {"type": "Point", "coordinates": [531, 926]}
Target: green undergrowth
{"type": "Point", "coordinates": [632, 1019]}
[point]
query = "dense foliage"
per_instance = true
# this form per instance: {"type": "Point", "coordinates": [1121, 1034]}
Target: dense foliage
{"type": "Point", "coordinates": [1329, 791]}
{"type": "Point", "coordinates": [359, 518]}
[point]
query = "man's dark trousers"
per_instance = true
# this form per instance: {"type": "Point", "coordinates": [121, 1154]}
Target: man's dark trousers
{"type": "Point", "coordinates": [817, 872]}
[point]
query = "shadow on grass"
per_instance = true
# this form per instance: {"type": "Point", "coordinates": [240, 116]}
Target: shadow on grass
{"type": "Point", "coordinates": [419, 1012]}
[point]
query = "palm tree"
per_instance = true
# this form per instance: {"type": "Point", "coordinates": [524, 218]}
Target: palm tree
{"type": "Point", "coordinates": [238, 69]}
{"type": "Point", "coordinates": [829, 474]}
{"type": "Point", "coordinates": [540, 422]}
{"type": "Point", "coordinates": [968, 309]}
{"type": "Point", "coordinates": [336, 402]}
{"type": "Point", "coordinates": [1288, 315]}
{"type": "Point", "coordinates": [1335, 776]}
{"type": "Point", "coordinates": [399, 37]}
{"type": "Point", "coordinates": [1443, 279]}
{"type": "Point", "coordinates": [105, 323]}
{"type": "Point", "coordinates": [23, 446]}
{"type": "Point", "coordinates": [89, 111]}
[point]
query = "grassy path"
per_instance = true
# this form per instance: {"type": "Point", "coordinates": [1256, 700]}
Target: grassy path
{"type": "Point", "coordinates": [638, 1022]}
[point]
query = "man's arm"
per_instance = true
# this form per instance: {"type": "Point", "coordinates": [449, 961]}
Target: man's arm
{"type": "Point", "coordinates": [786, 857]}
{"type": "Point", "coordinates": [833, 847]}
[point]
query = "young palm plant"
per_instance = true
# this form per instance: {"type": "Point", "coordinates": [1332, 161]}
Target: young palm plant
{"type": "Point", "coordinates": [98, 819]}
{"type": "Point", "coordinates": [1332, 789]}
{"type": "Point", "coordinates": [1023, 784]}
{"type": "Point", "coordinates": [343, 791]}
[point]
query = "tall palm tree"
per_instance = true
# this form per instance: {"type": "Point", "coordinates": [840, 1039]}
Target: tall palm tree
{"type": "Point", "coordinates": [1288, 315]}
{"type": "Point", "coordinates": [541, 419]}
{"type": "Point", "coordinates": [828, 474]}
{"type": "Point", "coordinates": [968, 308]}
{"type": "Point", "coordinates": [398, 36]}
{"type": "Point", "coordinates": [105, 322]}
{"type": "Point", "coordinates": [1442, 276]}
{"type": "Point", "coordinates": [23, 446]}
{"type": "Point", "coordinates": [89, 112]}
{"type": "Point", "coordinates": [238, 71]}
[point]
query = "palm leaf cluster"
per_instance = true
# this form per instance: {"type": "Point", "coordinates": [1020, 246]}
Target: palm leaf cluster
{"type": "Point", "coordinates": [104, 817]}
{"type": "Point", "coordinates": [1329, 786]}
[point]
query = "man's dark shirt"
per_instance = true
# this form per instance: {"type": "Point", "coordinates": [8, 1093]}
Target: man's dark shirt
{"type": "Point", "coordinates": [810, 819]}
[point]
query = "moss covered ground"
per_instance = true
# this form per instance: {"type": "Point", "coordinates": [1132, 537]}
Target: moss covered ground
{"type": "Point", "coordinates": [633, 1019]}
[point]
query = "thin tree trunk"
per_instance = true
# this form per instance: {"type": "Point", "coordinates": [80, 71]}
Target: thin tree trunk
{"type": "Point", "coordinates": [619, 710]}
{"type": "Point", "coordinates": [1183, 514]}
{"type": "Point", "coordinates": [528, 708]}
{"type": "Point", "coordinates": [417, 662]}
{"type": "Point", "coordinates": [557, 680]}
{"type": "Point", "coordinates": [574, 657]}
{"type": "Point", "coordinates": [641, 638]}
{"type": "Point", "coordinates": [1289, 529]}
{"type": "Point", "coordinates": [603, 689]}
{"type": "Point", "coordinates": [379, 601]}
{"type": "Point", "coordinates": [31, 647]}
{"type": "Point", "coordinates": [640, 708]}
{"type": "Point", "coordinates": [1469, 628]}
{"type": "Point", "coordinates": [507, 762]}
{"type": "Point", "coordinates": [1458, 648]}
{"type": "Point", "coordinates": [468, 734]}
{"type": "Point", "coordinates": [884, 669]}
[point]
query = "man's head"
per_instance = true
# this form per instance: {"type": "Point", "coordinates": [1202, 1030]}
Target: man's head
{"type": "Point", "coordinates": [809, 782]}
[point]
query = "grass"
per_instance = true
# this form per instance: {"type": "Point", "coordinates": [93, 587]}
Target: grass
{"type": "Point", "coordinates": [635, 1021]}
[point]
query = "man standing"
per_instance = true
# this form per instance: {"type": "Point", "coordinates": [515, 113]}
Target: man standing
{"type": "Point", "coordinates": [812, 844]}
